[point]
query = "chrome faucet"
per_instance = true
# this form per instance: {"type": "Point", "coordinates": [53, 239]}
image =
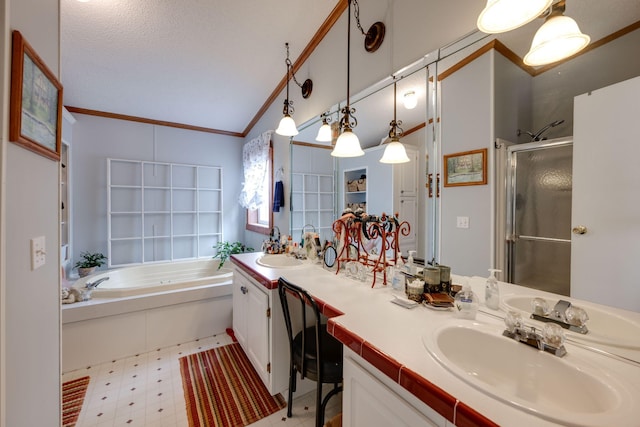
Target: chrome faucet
{"type": "Point", "coordinates": [92, 285]}
{"type": "Point", "coordinates": [563, 313]}
{"type": "Point", "coordinates": [551, 339]}
{"type": "Point", "coordinates": [272, 233]}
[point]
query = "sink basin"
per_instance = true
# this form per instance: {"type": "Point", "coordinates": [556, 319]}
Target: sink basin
{"type": "Point", "coordinates": [575, 392]}
{"type": "Point", "coordinates": [278, 261]}
{"type": "Point", "coordinates": [604, 327]}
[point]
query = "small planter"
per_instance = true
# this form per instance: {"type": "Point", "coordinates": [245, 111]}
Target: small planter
{"type": "Point", "coordinates": [85, 271]}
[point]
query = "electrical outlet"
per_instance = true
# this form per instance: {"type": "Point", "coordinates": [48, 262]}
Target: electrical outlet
{"type": "Point", "coordinates": [38, 253]}
{"type": "Point", "coordinates": [463, 222]}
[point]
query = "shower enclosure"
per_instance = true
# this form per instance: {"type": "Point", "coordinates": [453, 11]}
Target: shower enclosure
{"type": "Point", "coordinates": [538, 220]}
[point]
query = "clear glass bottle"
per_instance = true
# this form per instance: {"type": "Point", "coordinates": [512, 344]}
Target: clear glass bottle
{"type": "Point", "coordinates": [466, 304]}
{"type": "Point", "coordinates": [492, 291]}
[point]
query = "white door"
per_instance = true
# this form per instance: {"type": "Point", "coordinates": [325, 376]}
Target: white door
{"type": "Point", "coordinates": [606, 196]}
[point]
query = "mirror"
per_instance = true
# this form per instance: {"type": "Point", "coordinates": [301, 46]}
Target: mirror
{"type": "Point", "coordinates": [612, 59]}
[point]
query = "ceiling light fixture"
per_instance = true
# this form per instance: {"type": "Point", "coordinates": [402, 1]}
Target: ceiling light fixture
{"type": "Point", "coordinates": [375, 36]}
{"type": "Point", "coordinates": [410, 100]}
{"type": "Point", "coordinates": [500, 16]}
{"type": "Point", "coordinates": [558, 38]}
{"type": "Point", "coordinates": [324, 133]}
{"type": "Point", "coordinates": [348, 144]}
{"type": "Point", "coordinates": [395, 152]}
{"type": "Point", "coordinates": [287, 126]}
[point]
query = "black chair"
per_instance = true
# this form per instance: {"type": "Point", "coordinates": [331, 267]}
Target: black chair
{"type": "Point", "coordinates": [313, 352]}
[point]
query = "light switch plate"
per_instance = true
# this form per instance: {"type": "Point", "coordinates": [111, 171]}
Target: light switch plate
{"type": "Point", "coordinates": [38, 253]}
{"type": "Point", "coordinates": [462, 222]}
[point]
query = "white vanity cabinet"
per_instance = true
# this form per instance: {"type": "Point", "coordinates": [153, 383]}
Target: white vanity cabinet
{"type": "Point", "coordinates": [259, 327]}
{"type": "Point", "coordinates": [370, 399]}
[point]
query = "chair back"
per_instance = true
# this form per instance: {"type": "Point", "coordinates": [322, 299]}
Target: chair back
{"type": "Point", "coordinates": [303, 300]}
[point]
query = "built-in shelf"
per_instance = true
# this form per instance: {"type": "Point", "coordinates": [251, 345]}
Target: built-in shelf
{"type": "Point", "coordinates": [312, 203]}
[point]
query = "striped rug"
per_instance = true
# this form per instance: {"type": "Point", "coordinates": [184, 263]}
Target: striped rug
{"type": "Point", "coordinates": [72, 397]}
{"type": "Point", "coordinates": [222, 389]}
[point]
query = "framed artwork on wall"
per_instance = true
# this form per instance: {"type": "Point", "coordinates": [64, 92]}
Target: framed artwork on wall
{"type": "Point", "coordinates": [465, 168]}
{"type": "Point", "coordinates": [35, 120]}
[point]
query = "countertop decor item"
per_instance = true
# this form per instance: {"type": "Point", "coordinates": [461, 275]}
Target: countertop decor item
{"type": "Point", "coordinates": [225, 249]}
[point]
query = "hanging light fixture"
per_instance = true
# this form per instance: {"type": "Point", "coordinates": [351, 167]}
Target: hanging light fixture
{"type": "Point", "coordinates": [557, 39]}
{"type": "Point", "coordinates": [395, 152]}
{"type": "Point", "coordinates": [499, 16]}
{"type": "Point", "coordinates": [324, 133]}
{"type": "Point", "coordinates": [287, 126]}
{"type": "Point", "coordinates": [348, 144]}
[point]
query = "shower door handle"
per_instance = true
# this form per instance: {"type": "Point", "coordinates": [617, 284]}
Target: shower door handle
{"type": "Point", "coordinates": [579, 229]}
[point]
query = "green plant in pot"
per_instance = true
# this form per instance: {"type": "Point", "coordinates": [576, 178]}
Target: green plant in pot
{"type": "Point", "coordinates": [88, 263]}
{"type": "Point", "coordinates": [226, 249]}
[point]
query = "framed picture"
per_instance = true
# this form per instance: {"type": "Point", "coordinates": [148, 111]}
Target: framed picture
{"type": "Point", "coordinates": [466, 168]}
{"type": "Point", "coordinates": [36, 102]}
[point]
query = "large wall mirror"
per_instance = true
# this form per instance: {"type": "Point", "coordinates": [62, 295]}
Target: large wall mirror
{"type": "Point", "coordinates": [453, 79]}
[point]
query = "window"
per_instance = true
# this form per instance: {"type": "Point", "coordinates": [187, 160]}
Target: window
{"type": "Point", "coordinates": [260, 220]}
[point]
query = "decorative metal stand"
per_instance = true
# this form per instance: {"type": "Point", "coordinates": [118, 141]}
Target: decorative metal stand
{"type": "Point", "coordinates": [355, 230]}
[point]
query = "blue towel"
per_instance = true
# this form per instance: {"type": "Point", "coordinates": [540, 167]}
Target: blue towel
{"type": "Point", "coordinates": [278, 196]}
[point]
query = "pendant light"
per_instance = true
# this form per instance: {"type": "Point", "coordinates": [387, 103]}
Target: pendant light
{"type": "Point", "coordinates": [395, 152]}
{"type": "Point", "coordinates": [348, 144]}
{"type": "Point", "coordinates": [287, 126]}
{"type": "Point", "coordinates": [410, 99]}
{"type": "Point", "coordinates": [557, 39]}
{"type": "Point", "coordinates": [500, 16]}
{"type": "Point", "coordinates": [324, 133]}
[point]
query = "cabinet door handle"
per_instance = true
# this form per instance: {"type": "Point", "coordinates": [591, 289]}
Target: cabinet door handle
{"type": "Point", "coordinates": [244, 289]}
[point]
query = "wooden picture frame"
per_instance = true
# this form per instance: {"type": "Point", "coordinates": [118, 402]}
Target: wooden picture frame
{"type": "Point", "coordinates": [35, 118]}
{"type": "Point", "coordinates": [465, 168]}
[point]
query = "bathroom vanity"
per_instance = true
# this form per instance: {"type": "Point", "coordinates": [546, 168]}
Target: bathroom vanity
{"type": "Point", "coordinates": [410, 366]}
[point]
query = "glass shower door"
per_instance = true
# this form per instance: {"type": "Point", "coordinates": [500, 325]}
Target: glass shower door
{"type": "Point", "coordinates": [539, 217]}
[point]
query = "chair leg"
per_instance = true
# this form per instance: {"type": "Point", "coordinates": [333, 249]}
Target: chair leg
{"type": "Point", "coordinates": [292, 388]}
{"type": "Point", "coordinates": [336, 389]}
{"type": "Point", "coordinates": [319, 407]}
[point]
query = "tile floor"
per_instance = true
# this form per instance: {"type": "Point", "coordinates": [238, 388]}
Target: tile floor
{"type": "Point", "coordinates": [146, 390]}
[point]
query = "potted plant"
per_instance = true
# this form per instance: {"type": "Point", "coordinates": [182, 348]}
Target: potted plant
{"type": "Point", "coordinates": [225, 249]}
{"type": "Point", "coordinates": [89, 262]}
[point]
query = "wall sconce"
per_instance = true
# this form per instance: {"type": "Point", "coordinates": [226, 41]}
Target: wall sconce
{"type": "Point", "coordinates": [395, 152]}
{"type": "Point", "coordinates": [324, 133]}
{"type": "Point", "coordinates": [557, 39]}
{"type": "Point", "coordinates": [287, 126]}
{"type": "Point", "coordinates": [348, 144]}
{"type": "Point", "coordinates": [375, 36]}
{"type": "Point", "coordinates": [500, 16]}
{"type": "Point", "coordinates": [410, 100]}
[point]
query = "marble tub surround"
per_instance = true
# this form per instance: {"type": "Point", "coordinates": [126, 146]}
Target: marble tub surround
{"type": "Point", "coordinates": [389, 337]}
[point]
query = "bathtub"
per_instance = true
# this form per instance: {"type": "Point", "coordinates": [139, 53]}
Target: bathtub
{"type": "Point", "coordinates": [145, 279]}
{"type": "Point", "coordinates": [144, 308]}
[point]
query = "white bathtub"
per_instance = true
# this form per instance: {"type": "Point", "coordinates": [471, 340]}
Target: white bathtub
{"type": "Point", "coordinates": [144, 308]}
{"type": "Point", "coordinates": [149, 278]}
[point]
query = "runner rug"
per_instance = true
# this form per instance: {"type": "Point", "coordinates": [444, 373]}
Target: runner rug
{"type": "Point", "coordinates": [73, 393]}
{"type": "Point", "coordinates": [222, 389]}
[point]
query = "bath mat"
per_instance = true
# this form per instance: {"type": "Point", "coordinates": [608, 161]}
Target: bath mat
{"type": "Point", "coordinates": [222, 389]}
{"type": "Point", "coordinates": [73, 393]}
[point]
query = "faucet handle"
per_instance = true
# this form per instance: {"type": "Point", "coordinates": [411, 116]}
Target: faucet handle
{"type": "Point", "coordinates": [553, 335]}
{"type": "Point", "coordinates": [513, 321]}
{"type": "Point", "coordinates": [576, 316]}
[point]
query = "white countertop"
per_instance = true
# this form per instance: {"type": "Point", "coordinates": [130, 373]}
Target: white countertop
{"type": "Point", "coordinates": [397, 332]}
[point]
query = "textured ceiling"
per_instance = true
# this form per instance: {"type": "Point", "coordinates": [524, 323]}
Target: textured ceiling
{"type": "Point", "coordinates": [213, 63]}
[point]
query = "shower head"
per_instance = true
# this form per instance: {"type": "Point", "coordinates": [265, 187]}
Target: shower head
{"type": "Point", "coordinates": [538, 136]}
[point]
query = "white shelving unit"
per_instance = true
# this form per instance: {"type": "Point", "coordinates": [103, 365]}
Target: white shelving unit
{"type": "Point", "coordinates": [162, 211]}
{"type": "Point", "coordinates": [312, 202]}
{"type": "Point", "coordinates": [355, 198]}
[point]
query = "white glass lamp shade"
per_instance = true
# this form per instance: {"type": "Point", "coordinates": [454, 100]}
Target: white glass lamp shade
{"type": "Point", "coordinates": [410, 100]}
{"type": "Point", "coordinates": [500, 16]}
{"type": "Point", "coordinates": [324, 133]}
{"type": "Point", "coordinates": [347, 145]}
{"type": "Point", "coordinates": [558, 38]}
{"type": "Point", "coordinates": [287, 127]}
{"type": "Point", "coordinates": [394, 153]}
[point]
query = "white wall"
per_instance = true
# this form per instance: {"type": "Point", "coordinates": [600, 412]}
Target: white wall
{"type": "Point", "coordinates": [29, 208]}
{"type": "Point", "coordinates": [96, 138]}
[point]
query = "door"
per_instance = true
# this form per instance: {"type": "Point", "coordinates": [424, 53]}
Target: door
{"type": "Point", "coordinates": [606, 196]}
{"type": "Point", "coordinates": [539, 188]}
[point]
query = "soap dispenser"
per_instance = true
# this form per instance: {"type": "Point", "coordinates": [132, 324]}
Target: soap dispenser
{"type": "Point", "coordinates": [411, 267]}
{"type": "Point", "coordinates": [466, 303]}
{"type": "Point", "coordinates": [492, 292]}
